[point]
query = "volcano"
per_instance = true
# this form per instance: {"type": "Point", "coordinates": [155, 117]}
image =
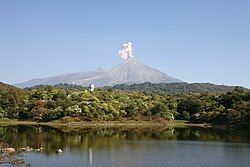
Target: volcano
{"type": "Point", "coordinates": [129, 72]}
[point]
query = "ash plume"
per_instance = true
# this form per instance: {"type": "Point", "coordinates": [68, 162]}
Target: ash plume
{"type": "Point", "coordinates": [126, 51]}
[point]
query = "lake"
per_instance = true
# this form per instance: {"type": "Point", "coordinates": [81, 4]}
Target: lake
{"type": "Point", "coordinates": [128, 147]}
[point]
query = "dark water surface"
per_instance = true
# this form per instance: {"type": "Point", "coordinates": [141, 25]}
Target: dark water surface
{"type": "Point", "coordinates": [125, 147]}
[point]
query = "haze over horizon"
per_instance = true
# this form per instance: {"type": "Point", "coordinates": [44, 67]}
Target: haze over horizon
{"type": "Point", "coordinates": [195, 41]}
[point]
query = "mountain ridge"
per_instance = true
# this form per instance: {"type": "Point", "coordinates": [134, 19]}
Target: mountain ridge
{"type": "Point", "coordinates": [63, 78]}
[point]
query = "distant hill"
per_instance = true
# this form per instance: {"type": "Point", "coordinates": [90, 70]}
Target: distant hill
{"type": "Point", "coordinates": [64, 86]}
{"type": "Point", "coordinates": [6, 88]}
{"type": "Point", "coordinates": [10, 97]}
{"type": "Point", "coordinates": [65, 78]}
{"type": "Point", "coordinates": [176, 87]}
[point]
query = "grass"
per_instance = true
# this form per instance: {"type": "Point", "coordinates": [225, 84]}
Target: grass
{"type": "Point", "coordinates": [124, 123]}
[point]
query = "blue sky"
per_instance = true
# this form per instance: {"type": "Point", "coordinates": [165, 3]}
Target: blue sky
{"type": "Point", "coordinates": [193, 40]}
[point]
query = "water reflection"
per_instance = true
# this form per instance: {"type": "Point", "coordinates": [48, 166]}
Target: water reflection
{"type": "Point", "coordinates": [88, 139]}
{"type": "Point", "coordinates": [90, 156]}
{"type": "Point", "coordinates": [129, 146]}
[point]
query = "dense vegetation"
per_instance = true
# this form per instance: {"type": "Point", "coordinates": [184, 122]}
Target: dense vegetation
{"type": "Point", "coordinates": [176, 88]}
{"type": "Point", "coordinates": [46, 103]}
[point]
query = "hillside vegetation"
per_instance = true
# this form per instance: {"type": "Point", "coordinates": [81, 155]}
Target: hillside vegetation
{"type": "Point", "coordinates": [47, 103]}
{"type": "Point", "coordinates": [177, 88]}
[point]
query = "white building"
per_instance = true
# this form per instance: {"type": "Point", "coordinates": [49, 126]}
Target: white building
{"type": "Point", "coordinates": [91, 87]}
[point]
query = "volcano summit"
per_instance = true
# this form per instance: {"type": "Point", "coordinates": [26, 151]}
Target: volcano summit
{"type": "Point", "coordinates": [130, 71]}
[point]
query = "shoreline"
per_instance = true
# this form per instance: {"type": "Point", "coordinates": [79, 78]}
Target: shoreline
{"type": "Point", "coordinates": [127, 123]}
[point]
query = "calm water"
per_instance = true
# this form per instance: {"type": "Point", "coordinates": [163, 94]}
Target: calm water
{"type": "Point", "coordinates": [130, 147]}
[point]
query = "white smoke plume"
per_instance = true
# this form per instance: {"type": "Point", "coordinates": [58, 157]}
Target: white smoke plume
{"type": "Point", "coordinates": [126, 51]}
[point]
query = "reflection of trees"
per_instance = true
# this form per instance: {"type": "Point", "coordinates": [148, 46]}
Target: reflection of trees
{"type": "Point", "coordinates": [51, 139]}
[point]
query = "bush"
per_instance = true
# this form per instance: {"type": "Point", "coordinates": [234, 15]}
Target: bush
{"type": "Point", "coordinates": [167, 115]}
{"type": "Point", "coordinates": [130, 110]}
{"type": "Point", "coordinates": [2, 113]}
{"type": "Point", "coordinates": [55, 114]}
{"type": "Point", "coordinates": [233, 115]}
{"type": "Point", "coordinates": [185, 115]}
{"type": "Point", "coordinates": [190, 105]}
{"type": "Point", "coordinates": [159, 108]}
{"type": "Point", "coordinates": [24, 114]}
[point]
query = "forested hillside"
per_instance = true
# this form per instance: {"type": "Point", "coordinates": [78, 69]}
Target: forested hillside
{"type": "Point", "coordinates": [46, 103]}
{"type": "Point", "coordinates": [177, 87]}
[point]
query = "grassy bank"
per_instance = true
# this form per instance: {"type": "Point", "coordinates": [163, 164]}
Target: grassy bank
{"type": "Point", "coordinates": [126, 123]}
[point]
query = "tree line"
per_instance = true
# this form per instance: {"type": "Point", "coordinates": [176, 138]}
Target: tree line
{"type": "Point", "coordinates": [47, 103]}
{"type": "Point", "coordinates": [176, 88]}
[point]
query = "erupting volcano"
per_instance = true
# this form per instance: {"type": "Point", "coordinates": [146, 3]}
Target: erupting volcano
{"type": "Point", "coordinates": [130, 71]}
